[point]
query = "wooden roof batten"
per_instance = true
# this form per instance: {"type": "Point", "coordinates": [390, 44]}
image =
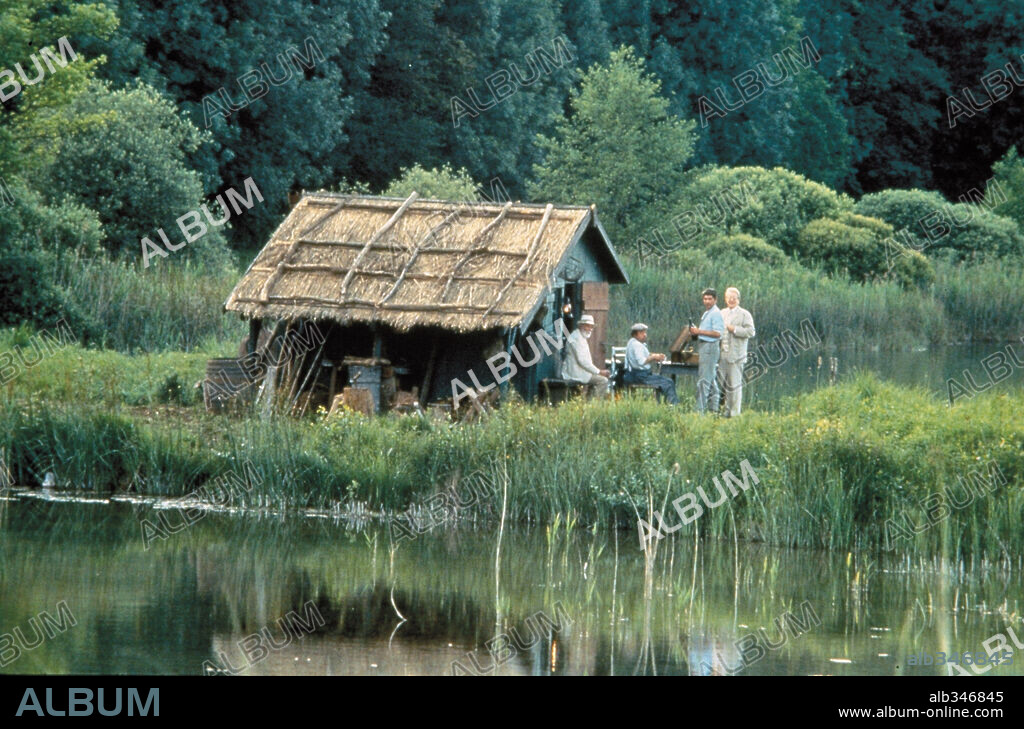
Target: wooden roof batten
{"type": "Point", "coordinates": [478, 244]}
{"type": "Point", "coordinates": [454, 307]}
{"type": "Point", "coordinates": [294, 248]}
{"type": "Point", "coordinates": [373, 239]}
{"type": "Point", "coordinates": [415, 254]}
{"type": "Point", "coordinates": [342, 270]}
{"type": "Point", "coordinates": [526, 264]}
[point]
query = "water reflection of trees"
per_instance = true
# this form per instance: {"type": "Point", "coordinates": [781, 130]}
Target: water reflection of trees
{"type": "Point", "coordinates": [169, 608]}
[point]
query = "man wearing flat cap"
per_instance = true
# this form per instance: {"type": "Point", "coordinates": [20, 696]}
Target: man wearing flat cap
{"type": "Point", "coordinates": [578, 366]}
{"type": "Point", "coordinates": [638, 365]}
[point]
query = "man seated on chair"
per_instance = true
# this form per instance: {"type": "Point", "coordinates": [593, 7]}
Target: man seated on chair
{"type": "Point", "coordinates": [638, 366]}
{"type": "Point", "coordinates": [578, 367]}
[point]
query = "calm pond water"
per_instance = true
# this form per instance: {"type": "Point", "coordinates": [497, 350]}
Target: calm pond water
{"type": "Point", "coordinates": [929, 369]}
{"type": "Point", "coordinates": [197, 596]}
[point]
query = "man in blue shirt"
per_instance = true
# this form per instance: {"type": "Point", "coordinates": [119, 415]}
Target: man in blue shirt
{"type": "Point", "coordinates": [638, 365]}
{"type": "Point", "coordinates": [709, 336]}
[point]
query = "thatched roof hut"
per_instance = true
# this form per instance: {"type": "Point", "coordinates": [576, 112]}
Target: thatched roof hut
{"type": "Point", "coordinates": [412, 262]}
{"type": "Point", "coordinates": [399, 267]}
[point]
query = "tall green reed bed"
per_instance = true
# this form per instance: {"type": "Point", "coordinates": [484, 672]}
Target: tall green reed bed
{"type": "Point", "coordinates": [966, 302]}
{"type": "Point", "coordinates": [833, 466]}
{"type": "Point", "coordinates": [173, 305]}
{"type": "Point", "coordinates": [984, 300]}
{"type": "Point", "coordinates": [780, 297]}
{"type": "Point", "coordinates": [177, 305]}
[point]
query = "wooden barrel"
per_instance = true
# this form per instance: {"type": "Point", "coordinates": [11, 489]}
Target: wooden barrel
{"type": "Point", "coordinates": [227, 386]}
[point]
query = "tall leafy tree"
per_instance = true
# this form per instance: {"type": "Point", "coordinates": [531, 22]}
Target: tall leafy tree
{"type": "Point", "coordinates": [885, 84]}
{"type": "Point", "coordinates": [971, 41]}
{"type": "Point", "coordinates": [132, 171]}
{"type": "Point", "coordinates": [697, 49]}
{"type": "Point", "coordinates": [818, 144]}
{"type": "Point", "coordinates": [620, 147]}
{"type": "Point", "coordinates": [403, 116]}
{"type": "Point", "coordinates": [33, 225]}
{"type": "Point", "coordinates": [630, 23]}
{"type": "Point", "coordinates": [586, 27]}
{"type": "Point", "coordinates": [217, 61]}
{"type": "Point", "coordinates": [532, 45]}
{"type": "Point", "coordinates": [30, 117]}
{"type": "Point", "coordinates": [460, 81]}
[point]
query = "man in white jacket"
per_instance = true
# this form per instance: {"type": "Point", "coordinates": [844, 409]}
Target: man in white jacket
{"type": "Point", "coordinates": [739, 328]}
{"type": "Point", "coordinates": [578, 366]}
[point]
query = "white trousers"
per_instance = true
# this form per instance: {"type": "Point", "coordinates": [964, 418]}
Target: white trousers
{"type": "Point", "coordinates": [731, 376]}
{"type": "Point", "coordinates": [598, 385]}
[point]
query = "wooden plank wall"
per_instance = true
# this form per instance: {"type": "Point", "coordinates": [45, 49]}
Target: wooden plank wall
{"type": "Point", "coordinates": [595, 303]}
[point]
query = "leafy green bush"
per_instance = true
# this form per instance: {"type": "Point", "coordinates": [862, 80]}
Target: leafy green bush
{"type": "Point", "coordinates": [841, 248]}
{"type": "Point", "coordinates": [903, 265]}
{"type": "Point", "coordinates": [925, 221]}
{"type": "Point", "coordinates": [774, 205]}
{"type": "Point", "coordinates": [31, 233]}
{"type": "Point", "coordinates": [910, 268]}
{"type": "Point", "coordinates": [26, 291]}
{"type": "Point", "coordinates": [985, 235]}
{"type": "Point", "coordinates": [746, 247]}
{"type": "Point", "coordinates": [1006, 192]}
{"type": "Point", "coordinates": [856, 246]}
{"type": "Point", "coordinates": [880, 228]}
{"type": "Point", "coordinates": [133, 171]}
{"type": "Point", "coordinates": [904, 210]}
{"type": "Point", "coordinates": [439, 184]}
{"type": "Point", "coordinates": [173, 391]}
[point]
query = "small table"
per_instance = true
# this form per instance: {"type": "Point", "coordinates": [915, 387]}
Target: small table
{"type": "Point", "coordinates": [672, 369]}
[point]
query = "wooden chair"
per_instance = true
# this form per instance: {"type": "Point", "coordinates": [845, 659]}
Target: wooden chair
{"type": "Point", "coordinates": [562, 389]}
{"type": "Point", "coordinates": [617, 366]}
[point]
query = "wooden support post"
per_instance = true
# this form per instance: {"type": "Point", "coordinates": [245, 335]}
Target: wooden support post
{"type": "Point", "coordinates": [480, 410]}
{"type": "Point", "coordinates": [425, 388]}
{"type": "Point", "coordinates": [378, 345]}
{"type": "Point", "coordinates": [334, 381]}
{"type": "Point", "coordinates": [254, 335]}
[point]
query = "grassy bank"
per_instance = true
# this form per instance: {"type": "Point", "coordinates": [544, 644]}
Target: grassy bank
{"type": "Point", "coordinates": [833, 465]}
{"type": "Point", "coordinates": [75, 374]}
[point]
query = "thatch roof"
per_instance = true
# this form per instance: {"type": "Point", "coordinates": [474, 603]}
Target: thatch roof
{"type": "Point", "coordinates": [414, 262]}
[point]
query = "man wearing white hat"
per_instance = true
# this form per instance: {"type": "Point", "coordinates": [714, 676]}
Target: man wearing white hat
{"type": "Point", "coordinates": [638, 365]}
{"type": "Point", "coordinates": [578, 366]}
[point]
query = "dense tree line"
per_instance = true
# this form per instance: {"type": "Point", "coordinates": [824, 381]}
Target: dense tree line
{"type": "Point", "coordinates": [870, 114]}
{"type": "Point", "coordinates": [645, 107]}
